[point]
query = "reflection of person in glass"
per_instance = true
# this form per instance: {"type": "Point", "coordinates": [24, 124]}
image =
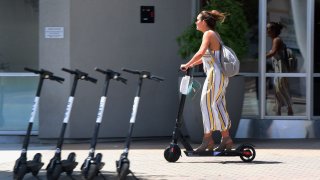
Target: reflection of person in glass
{"type": "Point", "coordinates": [280, 65]}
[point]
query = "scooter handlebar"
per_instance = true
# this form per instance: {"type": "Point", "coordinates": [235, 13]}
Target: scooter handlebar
{"type": "Point", "coordinates": [146, 74]}
{"type": "Point", "coordinates": [131, 71]}
{"type": "Point", "coordinates": [45, 74]}
{"type": "Point", "coordinates": [156, 78]}
{"type": "Point", "coordinates": [68, 71]}
{"type": "Point", "coordinates": [187, 72]}
{"type": "Point", "coordinates": [80, 75]}
{"type": "Point", "coordinates": [91, 79]}
{"type": "Point", "coordinates": [56, 78]}
{"type": "Point", "coordinates": [122, 79]}
{"type": "Point", "coordinates": [100, 70]}
{"type": "Point", "coordinates": [32, 70]}
{"type": "Point", "coordinates": [112, 74]}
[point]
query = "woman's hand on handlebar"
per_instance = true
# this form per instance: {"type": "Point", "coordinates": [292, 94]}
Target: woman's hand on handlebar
{"type": "Point", "coordinates": [184, 67]}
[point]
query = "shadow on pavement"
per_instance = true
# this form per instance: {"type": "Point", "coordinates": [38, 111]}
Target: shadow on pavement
{"type": "Point", "coordinates": [281, 143]}
{"type": "Point", "coordinates": [233, 162]}
{"type": "Point", "coordinates": [106, 175]}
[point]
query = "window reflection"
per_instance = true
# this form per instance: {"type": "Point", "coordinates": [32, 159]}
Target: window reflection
{"type": "Point", "coordinates": [292, 14]}
{"type": "Point", "coordinates": [250, 104]}
{"type": "Point", "coordinates": [317, 37]}
{"type": "Point", "coordinates": [316, 94]}
{"type": "Point", "coordinates": [289, 92]}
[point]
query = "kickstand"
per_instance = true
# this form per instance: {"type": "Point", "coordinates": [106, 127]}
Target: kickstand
{"type": "Point", "coordinates": [71, 177]}
{"type": "Point", "coordinates": [100, 174]}
{"type": "Point", "coordinates": [135, 177]}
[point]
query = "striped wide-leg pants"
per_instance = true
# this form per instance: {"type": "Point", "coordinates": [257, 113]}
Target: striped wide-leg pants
{"type": "Point", "coordinates": [213, 103]}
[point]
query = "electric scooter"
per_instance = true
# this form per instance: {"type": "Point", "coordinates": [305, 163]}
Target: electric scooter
{"type": "Point", "coordinates": [22, 166]}
{"type": "Point", "coordinates": [173, 152]}
{"type": "Point", "coordinates": [92, 165]}
{"type": "Point", "coordinates": [57, 166]}
{"type": "Point", "coordinates": [123, 164]}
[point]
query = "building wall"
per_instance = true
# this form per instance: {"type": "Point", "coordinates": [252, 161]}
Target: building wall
{"type": "Point", "coordinates": [108, 34]}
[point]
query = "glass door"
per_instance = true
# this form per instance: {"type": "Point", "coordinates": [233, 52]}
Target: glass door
{"type": "Point", "coordinates": [286, 60]}
{"type": "Point", "coordinates": [316, 63]}
{"type": "Point", "coordinates": [19, 36]}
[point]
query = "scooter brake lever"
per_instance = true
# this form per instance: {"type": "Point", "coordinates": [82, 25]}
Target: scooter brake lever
{"type": "Point", "coordinates": [159, 79]}
{"type": "Point", "coordinates": [123, 80]}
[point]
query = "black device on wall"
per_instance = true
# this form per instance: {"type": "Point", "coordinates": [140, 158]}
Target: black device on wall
{"type": "Point", "coordinates": [147, 14]}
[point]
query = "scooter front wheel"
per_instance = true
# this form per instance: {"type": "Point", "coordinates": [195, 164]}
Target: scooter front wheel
{"type": "Point", "coordinates": [21, 171]}
{"type": "Point", "coordinates": [54, 174]}
{"type": "Point", "coordinates": [172, 153]}
{"type": "Point", "coordinates": [93, 169]}
{"type": "Point", "coordinates": [248, 153]}
{"type": "Point", "coordinates": [124, 171]}
{"type": "Point", "coordinates": [92, 172]}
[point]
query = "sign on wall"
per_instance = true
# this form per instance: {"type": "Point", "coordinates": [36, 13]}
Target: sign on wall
{"type": "Point", "coordinates": [147, 14]}
{"type": "Point", "coordinates": [54, 32]}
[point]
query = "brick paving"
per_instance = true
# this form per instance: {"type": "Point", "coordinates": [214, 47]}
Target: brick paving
{"type": "Point", "coordinates": [275, 159]}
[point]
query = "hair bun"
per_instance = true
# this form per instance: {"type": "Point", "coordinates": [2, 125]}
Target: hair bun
{"type": "Point", "coordinates": [214, 12]}
{"type": "Point", "coordinates": [218, 16]}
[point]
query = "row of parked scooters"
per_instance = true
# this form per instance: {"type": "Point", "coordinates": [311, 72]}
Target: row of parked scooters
{"type": "Point", "coordinates": [93, 163]}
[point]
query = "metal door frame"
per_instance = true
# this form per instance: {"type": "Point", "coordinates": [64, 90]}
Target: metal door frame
{"type": "Point", "coordinates": [309, 63]}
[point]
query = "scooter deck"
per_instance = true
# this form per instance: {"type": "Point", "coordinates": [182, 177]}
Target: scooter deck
{"type": "Point", "coordinates": [213, 153]}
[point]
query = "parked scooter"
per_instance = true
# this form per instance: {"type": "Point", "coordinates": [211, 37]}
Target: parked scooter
{"type": "Point", "coordinates": [92, 165]}
{"type": "Point", "coordinates": [22, 166]}
{"type": "Point", "coordinates": [123, 164]}
{"type": "Point", "coordinates": [57, 166]}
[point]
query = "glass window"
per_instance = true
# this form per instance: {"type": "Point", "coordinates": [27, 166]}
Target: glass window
{"type": "Point", "coordinates": [285, 96]}
{"type": "Point", "coordinates": [292, 16]}
{"type": "Point", "coordinates": [18, 35]}
{"type": "Point", "coordinates": [250, 105]}
{"type": "Point", "coordinates": [249, 59]}
{"type": "Point", "coordinates": [18, 49]}
{"type": "Point", "coordinates": [316, 80]}
{"type": "Point", "coordinates": [16, 100]}
{"type": "Point", "coordinates": [316, 94]}
{"type": "Point", "coordinates": [249, 62]}
{"type": "Point", "coordinates": [286, 54]}
{"type": "Point", "coordinates": [317, 37]}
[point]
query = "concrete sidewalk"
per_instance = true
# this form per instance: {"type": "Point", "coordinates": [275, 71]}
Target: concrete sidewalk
{"type": "Point", "coordinates": [275, 159]}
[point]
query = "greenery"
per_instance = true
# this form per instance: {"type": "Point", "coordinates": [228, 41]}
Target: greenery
{"type": "Point", "coordinates": [233, 30]}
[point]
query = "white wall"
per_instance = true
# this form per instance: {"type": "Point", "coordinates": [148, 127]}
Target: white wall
{"type": "Point", "coordinates": [108, 34]}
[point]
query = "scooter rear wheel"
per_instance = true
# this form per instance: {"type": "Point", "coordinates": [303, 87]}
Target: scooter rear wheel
{"type": "Point", "coordinates": [98, 158]}
{"type": "Point", "coordinates": [37, 159]}
{"type": "Point", "coordinates": [71, 158]}
{"type": "Point", "coordinates": [172, 153]}
{"type": "Point", "coordinates": [248, 153]}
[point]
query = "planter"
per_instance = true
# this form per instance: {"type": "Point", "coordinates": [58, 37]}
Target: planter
{"type": "Point", "coordinates": [192, 112]}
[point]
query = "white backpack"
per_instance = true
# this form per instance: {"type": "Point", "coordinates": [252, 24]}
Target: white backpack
{"type": "Point", "coordinates": [229, 63]}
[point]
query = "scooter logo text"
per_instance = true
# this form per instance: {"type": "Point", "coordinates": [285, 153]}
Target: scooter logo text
{"type": "Point", "coordinates": [68, 111]}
